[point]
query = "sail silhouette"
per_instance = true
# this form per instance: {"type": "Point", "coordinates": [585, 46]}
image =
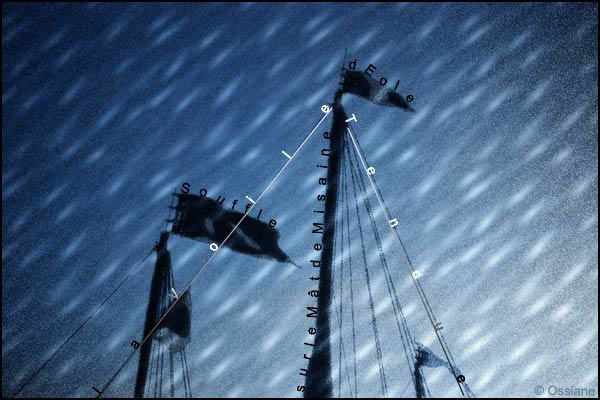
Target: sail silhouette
{"type": "Point", "coordinates": [427, 358]}
{"type": "Point", "coordinates": [178, 324]}
{"type": "Point", "coordinates": [202, 218]}
{"type": "Point", "coordinates": [360, 84]}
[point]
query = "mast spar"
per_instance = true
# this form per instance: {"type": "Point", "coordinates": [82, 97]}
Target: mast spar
{"type": "Point", "coordinates": [163, 260]}
{"type": "Point", "coordinates": [318, 377]}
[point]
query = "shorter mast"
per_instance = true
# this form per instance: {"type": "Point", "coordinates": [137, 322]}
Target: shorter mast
{"type": "Point", "coordinates": [157, 291]}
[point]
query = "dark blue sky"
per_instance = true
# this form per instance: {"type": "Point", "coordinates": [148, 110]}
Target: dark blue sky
{"type": "Point", "coordinates": [106, 108]}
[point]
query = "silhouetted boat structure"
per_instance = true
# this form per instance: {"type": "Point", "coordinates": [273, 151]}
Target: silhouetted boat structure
{"type": "Point", "coordinates": [174, 334]}
{"type": "Point", "coordinates": [202, 218]}
{"type": "Point", "coordinates": [167, 327]}
{"type": "Point", "coordinates": [168, 315]}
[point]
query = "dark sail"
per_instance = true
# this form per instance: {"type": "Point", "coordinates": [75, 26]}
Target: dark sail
{"type": "Point", "coordinates": [362, 85]}
{"type": "Point", "coordinates": [427, 358]}
{"type": "Point", "coordinates": [202, 218]}
{"type": "Point", "coordinates": [177, 324]}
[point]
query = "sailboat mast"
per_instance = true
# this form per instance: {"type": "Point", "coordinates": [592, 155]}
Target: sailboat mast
{"type": "Point", "coordinates": [163, 261]}
{"type": "Point", "coordinates": [318, 378]}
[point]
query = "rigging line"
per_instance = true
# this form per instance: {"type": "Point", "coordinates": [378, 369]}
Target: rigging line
{"type": "Point", "coordinates": [171, 366]}
{"type": "Point", "coordinates": [157, 348]}
{"type": "Point", "coordinates": [420, 287]}
{"type": "Point", "coordinates": [148, 381]}
{"type": "Point", "coordinates": [180, 353]}
{"type": "Point", "coordinates": [170, 208]}
{"type": "Point", "coordinates": [342, 70]}
{"type": "Point", "coordinates": [187, 368]}
{"type": "Point", "coordinates": [419, 283]}
{"type": "Point", "coordinates": [375, 231]}
{"type": "Point", "coordinates": [215, 252]}
{"type": "Point", "coordinates": [374, 319]}
{"type": "Point", "coordinates": [405, 254]}
{"type": "Point", "coordinates": [156, 372]}
{"type": "Point", "coordinates": [388, 216]}
{"type": "Point", "coordinates": [162, 359]}
{"type": "Point", "coordinates": [165, 286]}
{"type": "Point", "coordinates": [171, 282]}
{"type": "Point", "coordinates": [341, 297]}
{"type": "Point", "coordinates": [402, 324]}
{"type": "Point", "coordinates": [382, 257]}
{"type": "Point", "coordinates": [344, 353]}
{"type": "Point", "coordinates": [83, 324]}
{"type": "Point", "coordinates": [157, 385]}
{"type": "Point", "coordinates": [185, 388]}
{"type": "Point", "coordinates": [342, 347]}
{"type": "Point", "coordinates": [346, 202]}
{"type": "Point", "coordinates": [339, 318]}
{"type": "Point", "coordinates": [425, 384]}
{"type": "Point", "coordinates": [187, 372]}
{"type": "Point", "coordinates": [404, 390]}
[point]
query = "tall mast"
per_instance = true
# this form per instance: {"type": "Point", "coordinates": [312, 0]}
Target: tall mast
{"type": "Point", "coordinates": [318, 377]}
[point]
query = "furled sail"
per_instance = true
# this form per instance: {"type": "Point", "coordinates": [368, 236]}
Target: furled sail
{"type": "Point", "coordinates": [177, 324]}
{"type": "Point", "coordinates": [202, 218]}
{"type": "Point", "coordinates": [362, 85]}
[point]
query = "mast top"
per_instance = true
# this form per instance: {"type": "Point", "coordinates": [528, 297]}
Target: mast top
{"type": "Point", "coordinates": [342, 70]}
{"type": "Point", "coordinates": [162, 243]}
